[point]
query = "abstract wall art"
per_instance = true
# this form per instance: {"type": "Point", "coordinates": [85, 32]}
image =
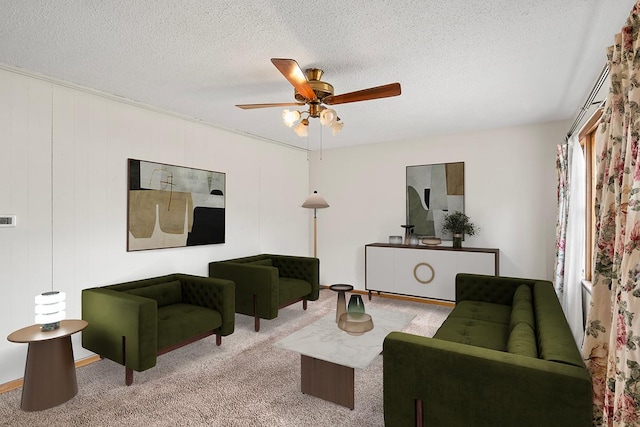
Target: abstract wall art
{"type": "Point", "coordinates": [173, 206]}
{"type": "Point", "coordinates": [433, 191]}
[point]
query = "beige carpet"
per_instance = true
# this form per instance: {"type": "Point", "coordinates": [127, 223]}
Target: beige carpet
{"type": "Point", "coordinates": [244, 382]}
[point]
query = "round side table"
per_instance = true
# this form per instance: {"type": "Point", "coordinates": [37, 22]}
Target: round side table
{"type": "Point", "coordinates": [341, 306]}
{"type": "Point", "coordinates": [50, 372]}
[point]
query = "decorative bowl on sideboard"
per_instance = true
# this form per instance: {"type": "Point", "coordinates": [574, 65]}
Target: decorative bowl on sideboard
{"type": "Point", "coordinates": [431, 241]}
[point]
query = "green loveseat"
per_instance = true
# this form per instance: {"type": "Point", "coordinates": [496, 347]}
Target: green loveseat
{"type": "Point", "coordinates": [265, 283]}
{"type": "Point", "coordinates": [132, 323]}
{"type": "Point", "coordinates": [505, 356]}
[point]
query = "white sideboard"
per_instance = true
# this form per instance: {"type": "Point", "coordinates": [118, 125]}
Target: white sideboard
{"type": "Point", "coordinates": [424, 271]}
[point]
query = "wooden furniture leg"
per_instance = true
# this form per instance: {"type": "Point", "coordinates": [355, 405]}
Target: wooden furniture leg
{"type": "Point", "coordinates": [419, 416]}
{"type": "Point", "coordinates": [256, 318]}
{"type": "Point", "coordinates": [128, 376]}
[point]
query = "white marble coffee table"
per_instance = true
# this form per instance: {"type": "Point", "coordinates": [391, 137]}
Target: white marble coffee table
{"type": "Point", "coordinates": [329, 355]}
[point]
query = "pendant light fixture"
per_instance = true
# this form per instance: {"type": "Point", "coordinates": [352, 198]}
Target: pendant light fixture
{"type": "Point", "coordinates": [328, 117]}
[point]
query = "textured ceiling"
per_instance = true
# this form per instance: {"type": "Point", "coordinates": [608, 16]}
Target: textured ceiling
{"type": "Point", "coordinates": [462, 65]}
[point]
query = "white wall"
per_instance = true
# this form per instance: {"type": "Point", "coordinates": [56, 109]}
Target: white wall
{"type": "Point", "coordinates": [91, 136]}
{"type": "Point", "coordinates": [510, 193]}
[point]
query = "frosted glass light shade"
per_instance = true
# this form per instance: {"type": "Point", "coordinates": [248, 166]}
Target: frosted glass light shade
{"type": "Point", "coordinates": [328, 117]}
{"type": "Point", "coordinates": [337, 127]}
{"type": "Point", "coordinates": [50, 297]}
{"type": "Point", "coordinates": [50, 309]}
{"type": "Point", "coordinates": [302, 130]}
{"type": "Point", "coordinates": [46, 319]}
{"type": "Point", "coordinates": [290, 117]}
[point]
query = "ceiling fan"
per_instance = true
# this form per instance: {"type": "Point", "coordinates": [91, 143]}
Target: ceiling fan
{"type": "Point", "coordinates": [311, 91]}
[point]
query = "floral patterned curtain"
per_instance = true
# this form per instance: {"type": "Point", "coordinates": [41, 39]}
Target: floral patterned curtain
{"type": "Point", "coordinates": [611, 347]}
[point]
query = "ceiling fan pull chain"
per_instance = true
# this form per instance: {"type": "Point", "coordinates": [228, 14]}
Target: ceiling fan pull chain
{"type": "Point", "coordinates": [321, 142]}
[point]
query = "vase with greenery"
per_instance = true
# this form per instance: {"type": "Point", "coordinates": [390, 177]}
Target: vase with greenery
{"type": "Point", "coordinates": [458, 224]}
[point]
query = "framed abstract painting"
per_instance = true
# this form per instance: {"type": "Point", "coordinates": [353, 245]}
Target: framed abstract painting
{"type": "Point", "coordinates": [433, 191]}
{"type": "Point", "coordinates": [173, 206]}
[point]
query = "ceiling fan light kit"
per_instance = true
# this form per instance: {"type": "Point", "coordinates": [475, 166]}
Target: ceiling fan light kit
{"type": "Point", "coordinates": [290, 117]}
{"type": "Point", "coordinates": [328, 117]}
{"type": "Point", "coordinates": [302, 130]}
{"type": "Point", "coordinates": [311, 91]}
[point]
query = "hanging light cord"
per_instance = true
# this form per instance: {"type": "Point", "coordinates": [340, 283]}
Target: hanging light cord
{"type": "Point", "coordinates": [321, 142]}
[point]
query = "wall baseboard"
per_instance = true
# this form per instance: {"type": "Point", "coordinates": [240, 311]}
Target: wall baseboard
{"type": "Point", "coordinates": [12, 385]}
{"type": "Point", "coordinates": [401, 297]}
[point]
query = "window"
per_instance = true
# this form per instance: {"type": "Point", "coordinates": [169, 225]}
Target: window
{"type": "Point", "coordinates": [588, 142]}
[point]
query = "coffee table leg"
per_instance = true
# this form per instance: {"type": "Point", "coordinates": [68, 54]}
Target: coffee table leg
{"type": "Point", "coordinates": [328, 381]}
{"type": "Point", "coordinates": [49, 375]}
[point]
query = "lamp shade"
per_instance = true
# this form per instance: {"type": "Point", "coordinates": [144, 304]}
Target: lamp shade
{"type": "Point", "coordinates": [336, 127]}
{"type": "Point", "coordinates": [290, 117]}
{"type": "Point", "coordinates": [302, 129]}
{"type": "Point", "coordinates": [328, 117]}
{"type": "Point", "coordinates": [50, 309]}
{"type": "Point", "coordinates": [315, 201]}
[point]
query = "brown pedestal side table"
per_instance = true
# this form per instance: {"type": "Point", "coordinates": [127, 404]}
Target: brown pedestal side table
{"type": "Point", "coordinates": [50, 372]}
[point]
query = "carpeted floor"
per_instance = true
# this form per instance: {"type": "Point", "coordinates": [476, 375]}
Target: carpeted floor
{"type": "Point", "coordinates": [244, 382]}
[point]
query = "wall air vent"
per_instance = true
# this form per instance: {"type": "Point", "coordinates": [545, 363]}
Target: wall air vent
{"type": "Point", "coordinates": [7, 220]}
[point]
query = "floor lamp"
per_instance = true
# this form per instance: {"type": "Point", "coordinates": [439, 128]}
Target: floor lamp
{"type": "Point", "coordinates": [315, 202]}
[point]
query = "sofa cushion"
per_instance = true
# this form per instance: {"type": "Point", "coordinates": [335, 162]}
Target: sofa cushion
{"type": "Point", "coordinates": [292, 289]}
{"type": "Point", "coordinates": [522, 308]}
{"type": "Point", "coordinates": [523, 293]}
{"type": "Point", "coordinates": [479, 333]}
{"type": "Point", "coordinates": [179, 322]}
{"type": "Point", "coordinates": [486, 311]}
{"type": "Point", "coordinates": [164, 293]}
{"type": "Point", "coordinates": [522, 340]}
{"type": "Point", "coordinates": [555, 340]}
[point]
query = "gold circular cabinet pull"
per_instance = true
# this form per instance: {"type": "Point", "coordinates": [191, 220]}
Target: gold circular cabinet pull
{"type": "Point", "coordinates": [415, 273]}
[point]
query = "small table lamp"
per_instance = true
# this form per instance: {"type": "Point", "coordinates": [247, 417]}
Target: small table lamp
{"type": "Point", "coordinates": [315, 201]}
{"type": "Point", "coordinates": [50, 310]}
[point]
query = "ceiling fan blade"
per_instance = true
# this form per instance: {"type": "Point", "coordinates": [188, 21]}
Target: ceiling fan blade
{"type": "Point", "coordinates": [292, 72]}
{"type": "Point", "coordinates": [278, 104]}
{"type": "Point", "coordinates": [385, 91]}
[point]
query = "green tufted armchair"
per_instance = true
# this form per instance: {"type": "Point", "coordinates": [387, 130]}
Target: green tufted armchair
{"type": "Point", "coordinates": [265, 283]}
{"type": "Point", "coordinates": [134, 322]}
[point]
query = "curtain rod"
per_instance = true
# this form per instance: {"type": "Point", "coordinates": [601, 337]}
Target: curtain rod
{"type": "Point", "coordinates": [589, 102]}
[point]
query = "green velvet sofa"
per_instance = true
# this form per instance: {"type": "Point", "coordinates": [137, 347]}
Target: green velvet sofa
{"type": "Point", "coordinates": [505, 356]}
{"type": "Point", "coordinates": [265, 283]}
{"type": "Point", "coordinates": [132, 323]}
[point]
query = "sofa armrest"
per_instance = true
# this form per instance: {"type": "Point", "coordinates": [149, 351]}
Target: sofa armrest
{"type": "Point", "coordinates": [213, 293]}
{"type": "Point", "coordinates": [463, 385]}
{"type": "Point", "coordinates": [485, 288]}
{"type": "Point", "coordinates": [298, 267]}
{"type": "Point", "coordinates": [114, 315]}
{"type": "Point", "coordinates": [250, 280]}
